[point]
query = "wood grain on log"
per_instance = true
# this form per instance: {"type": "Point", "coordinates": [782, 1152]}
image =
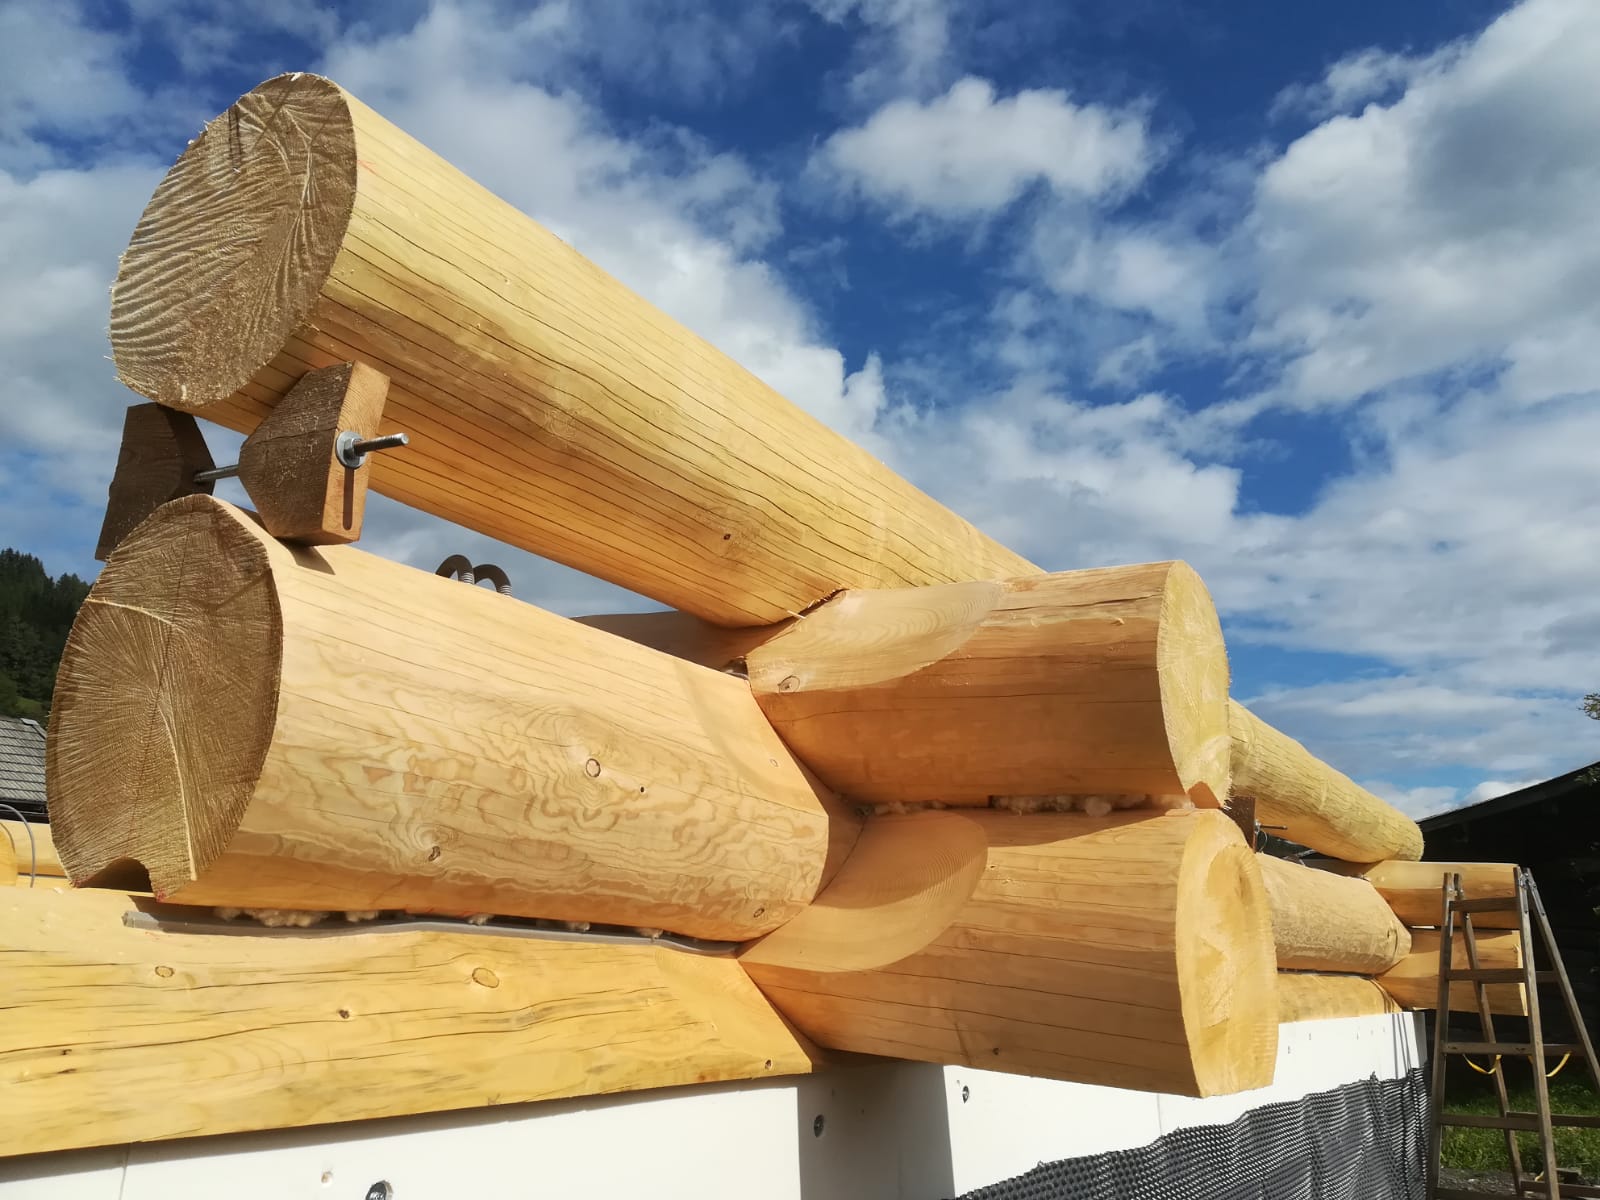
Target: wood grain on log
{"type": "Point", "coordinates": [1415, 890]}
{"type": "Point", "coordinates": [160, 452]}
{"type": "Point", "coordinates": [1324, 922]}
{"type": "Point", "coordinates": [290, 465]}
{"type": "Point", "coordinates": [265, 726]}
{"type": "Point", "coordinates": [1106, 681]}
{"type": "Point", "coordinates": [116, 1034]}
{"type": "Point", "coordinates": [40, 851]}
{"type": "Point", "coordinates": [548, 406]}
{"type": "Point", "coordinates": [1414, 981]}
{"type": "Point", "coordinates": [1308, 802]}
{"type": "Point", "coordinates": [1303, 996]}
{"type": "Point", "coordinates": [1132, 950]}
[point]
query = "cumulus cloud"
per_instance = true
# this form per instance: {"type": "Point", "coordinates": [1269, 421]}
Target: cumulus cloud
{"type": "Point", "coordinates": [971, 152]}
{"type": "Point", "coordinates": [1454, 229]}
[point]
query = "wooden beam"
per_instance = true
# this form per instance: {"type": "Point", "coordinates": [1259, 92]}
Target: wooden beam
{"type": "Point", "coordinates": [548, 406]}
{"type": "Point", "coordinates": [160, 452]}
{"type": "Point", "coordinates": [1132, 950]}
{"type": "Point", "coordinates": [1303, 996]}
{"type": "Point", "coordinates": [290, 463]}
{"type": "Point", "coordinates": [1413, 982]}
{"type": "Point", "coordinates": [1323, 922]}
{"type": "Point", "coordinates": [1308, 802]}
{"type": "Point", "coordinates": [16, 835]}
{"type": "Point", "coordinates": [116, 1034]}
{"type": "Point", "coordinates": [8, 864]}
{"type": "Point", "coordinates": [1415, 890]}
{"type": "Point", "coordinates": [276, 727]}
{"type": "Point", "coordinates": [1110, 681]}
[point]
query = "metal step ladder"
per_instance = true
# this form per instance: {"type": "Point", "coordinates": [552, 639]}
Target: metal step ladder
{"type": "Point", "coordinates": [1458, 914]}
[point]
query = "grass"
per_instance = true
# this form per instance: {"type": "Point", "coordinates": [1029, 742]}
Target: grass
{"type": "Point", "coordinates": [1485, 1149]}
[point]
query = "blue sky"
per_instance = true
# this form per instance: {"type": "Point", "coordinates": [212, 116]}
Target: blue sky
{"type": "Point", "coordinates": [1304, 294]}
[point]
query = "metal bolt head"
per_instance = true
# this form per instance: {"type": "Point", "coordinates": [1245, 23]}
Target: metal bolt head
{"type": "Point", "coordinates": [380, 1191]}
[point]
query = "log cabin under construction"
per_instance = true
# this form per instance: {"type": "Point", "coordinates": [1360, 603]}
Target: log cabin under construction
{"type": "Point", "coordinates": [903, 864]}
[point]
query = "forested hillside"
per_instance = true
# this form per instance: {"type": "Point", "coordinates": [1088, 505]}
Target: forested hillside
{"type": "Point", "coordinates": [36, 612]}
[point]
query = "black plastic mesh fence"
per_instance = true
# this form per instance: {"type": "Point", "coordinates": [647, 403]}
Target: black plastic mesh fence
{"type": "Point", "coordinates": [1362, 1141]}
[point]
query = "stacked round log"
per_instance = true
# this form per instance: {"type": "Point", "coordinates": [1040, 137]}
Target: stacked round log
{"type": "Point", "coordinates": [1414, 981]}
{"type": "Point", "coordinates": [1308, 802]}
{"type": "Point", "coordinates": [1415, 890]}
{"type": "Point", "coordinates": [1325, 922]}
{"type": "Point", "coordinates": [1304, 996]}
{"type": "Point", "coordinates": [548, 406]}
{"type": "Point", "coordinates": [1110, 681]}
{"type": "Point", "coordinates": [268, 727]}
{"type": "Point", "coordinates": [1132, 950]}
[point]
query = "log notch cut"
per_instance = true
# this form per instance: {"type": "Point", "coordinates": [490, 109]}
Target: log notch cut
{"type": "Point", "coordinates": [1323, 922]}
{"type": "Point", "coordinates": [1309, 802]}
{"type": "Point", "coordinates": [1305, 996]}
{"type": "Point", "coordinates": [119, 1035]}
{"type": "Point", "coordinates": [1413, 982]}
{"type": "Point", "coordinates": [1107, 681]}
{"type": "Point", "coordinates": [548, 405]}
{"type": "Point", "coordinates": [271, 727]}
{"type": "Point", "coordinates": [1132, 950]}
{"type": "Point", "coordinates": [1415, 890]}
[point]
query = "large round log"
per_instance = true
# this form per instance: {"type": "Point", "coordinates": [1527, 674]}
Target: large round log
{"type": "Point", "coordinates": [1325, 922]}
{"type": "Point", "coordinates": [1132, 950]}
{"type": "Point", "coordinates": [262, 726]}
{"type": "Point", "coordinates": [1308, 802]}
{"type": "Point", "coordinates": [548, 406]}
{"type": "Point", "coordinates": [1106, 681]}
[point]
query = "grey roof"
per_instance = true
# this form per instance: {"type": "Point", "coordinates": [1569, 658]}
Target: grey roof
{"type": "Point", "coordinates": [22, 765]}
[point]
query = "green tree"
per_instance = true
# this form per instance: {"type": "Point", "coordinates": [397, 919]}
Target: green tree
{"type": "Point", "coordinates": [36, 614]}
{"type": "Point", "coordinates": [1591, 705]}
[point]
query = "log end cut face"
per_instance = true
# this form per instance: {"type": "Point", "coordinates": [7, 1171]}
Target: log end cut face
{"type": "Point", "coordinates": [166, 698]}
{"type": "Point", "coordinates": [1193, 665]}
{"type": "Point", "coordinates": [1227, 974]}
{"type": "Point", "coordinates": [235, 246]}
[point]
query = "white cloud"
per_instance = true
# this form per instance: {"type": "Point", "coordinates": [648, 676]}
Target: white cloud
{"type": "Point", "coordinates": [970, 152]}
{"type": "Point", "coordinates": [1456, 228]}
{"type": "Point", "coordinates": [1368, 75]}
{"type": "Point", "coordinates": [58, 73]}
{"type": "Point", "coordinates": [906, 49]}
{"type": "Point", "coordinates": [1492, 789]}
{"type": "Point", "coordinates": [1415, 802]}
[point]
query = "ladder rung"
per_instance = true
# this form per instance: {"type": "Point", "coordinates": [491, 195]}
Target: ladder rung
{"type": "Point", "coordinates": [1499, 975]}
{"type": "Point", "coordinates": [1523, 1121]}
{"type": "Point", "coordinates": [1525, 1049]}
{"type": "Point", "coordinates": [1490, 904]}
